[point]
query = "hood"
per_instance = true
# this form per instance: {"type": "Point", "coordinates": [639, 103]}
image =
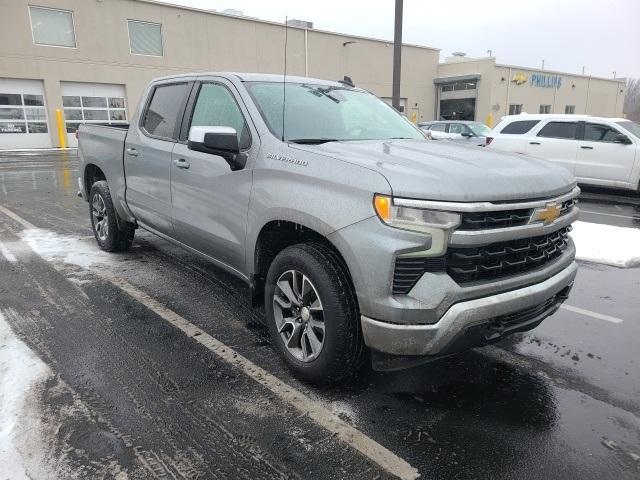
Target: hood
{"type": "Point", "coordinates": [447, 171]}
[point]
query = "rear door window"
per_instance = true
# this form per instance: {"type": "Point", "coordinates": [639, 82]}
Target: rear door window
{"type": "Point", "coordinates": [519, 127]}
{"type": "Point", "coordinates": [161, 116]}
{"type": "Point", "coordinates": [564, 130]}
{"type": "Point", "coordinates": [596, 132]}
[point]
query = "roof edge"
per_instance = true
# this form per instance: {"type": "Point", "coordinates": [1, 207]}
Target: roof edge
{"type": "Point", "coordinates": [269, 22]}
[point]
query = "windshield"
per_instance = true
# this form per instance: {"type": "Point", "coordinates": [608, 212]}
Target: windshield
{"type": "Point", "coordinates": [479, 129]}
{"type": "Point", "coordinates": [320, 113]}
{"type": "Point", "coordinates": [630, 126]}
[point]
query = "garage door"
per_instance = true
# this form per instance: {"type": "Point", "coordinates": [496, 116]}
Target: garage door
{"type": "Point", "coordinates": [23, 114]}
{"type": "Point", "coordinates": [91, 103]}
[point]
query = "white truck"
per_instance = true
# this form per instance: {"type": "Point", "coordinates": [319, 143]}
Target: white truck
{"type": "Point", "coordinates": [597, 151]}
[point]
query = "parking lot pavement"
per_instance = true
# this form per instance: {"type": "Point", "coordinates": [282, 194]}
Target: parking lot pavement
{"type": "Point", "coordinates": [160, 369]}
{"type": "Point", "coordinates": [610, 207]}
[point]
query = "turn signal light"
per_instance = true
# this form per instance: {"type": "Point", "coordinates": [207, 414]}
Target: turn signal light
{"type": "Point", "coordinates": [382, 204]}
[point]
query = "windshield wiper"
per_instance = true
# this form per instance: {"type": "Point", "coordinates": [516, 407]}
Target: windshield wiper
{"type": "Point", "coordinates": [318, 92]}
{"type": "Point", "coordinates": [312, 141]}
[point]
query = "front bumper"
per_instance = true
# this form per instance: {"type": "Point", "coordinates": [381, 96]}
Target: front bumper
{"type": "Point", "coordinates": [472, 323]}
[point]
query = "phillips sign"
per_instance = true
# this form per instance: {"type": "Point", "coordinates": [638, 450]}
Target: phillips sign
{"type": "Point", "coordinates": [545, 81]}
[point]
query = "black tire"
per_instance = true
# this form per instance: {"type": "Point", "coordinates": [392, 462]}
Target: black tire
{"type": "Point", "coordinates": [343, 349]}
{"type": "Point", "coordinates": [110, 238]}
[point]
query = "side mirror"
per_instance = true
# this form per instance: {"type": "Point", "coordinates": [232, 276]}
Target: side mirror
{"type": "Point", "coordinates": [467, 134]}
{"type": "Point", "coordinates": [622, 138]}
{"type": "Point", "coordinates": [218, 140]}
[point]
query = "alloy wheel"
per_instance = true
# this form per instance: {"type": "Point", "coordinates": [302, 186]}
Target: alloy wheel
{"type": "Point", "coordinates": [299, 315]}
{"type": "Point", "coordinates": [100, 217]}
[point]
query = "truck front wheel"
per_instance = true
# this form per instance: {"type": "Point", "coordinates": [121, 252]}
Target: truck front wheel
{"type": "Point", "coordinates": [312, 313]}
{"type": "Point", "coordinates": [103, 220]}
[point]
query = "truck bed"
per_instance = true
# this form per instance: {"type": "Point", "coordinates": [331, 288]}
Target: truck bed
{"type": "Point", "coordinates": [103, 146]}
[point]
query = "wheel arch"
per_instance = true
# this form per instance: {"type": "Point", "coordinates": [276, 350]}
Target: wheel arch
{"type": "Point", "coordinates": [272, 238]}
{"type": "Point", "coordinates": [92, 174]}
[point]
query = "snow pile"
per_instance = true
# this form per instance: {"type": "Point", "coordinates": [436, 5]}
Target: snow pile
{"type": "Point", "coordinates": [69, 249]}
{"type": "Point", "coordinates": [20, 369]}
{"type": "Point", "coordinates": [617, 246]}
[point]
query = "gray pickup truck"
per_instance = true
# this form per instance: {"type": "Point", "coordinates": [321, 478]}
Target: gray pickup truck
{"type": "Point", "coordinates": [358, 236]}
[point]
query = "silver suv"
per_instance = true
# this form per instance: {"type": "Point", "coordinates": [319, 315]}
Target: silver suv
{"type": "Point", "coordinates": [352, 231]}
{"type": "Point", "coordinates": [467, 132]}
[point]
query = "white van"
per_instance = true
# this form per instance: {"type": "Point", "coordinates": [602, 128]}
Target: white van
{"type": "Point", "coordinates": [598, 151]}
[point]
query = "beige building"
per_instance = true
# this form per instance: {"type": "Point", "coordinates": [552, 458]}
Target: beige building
{"type": "Point", "coordinates": [480, 89]}
{"type": "Point", "coordinates": [93, 58]}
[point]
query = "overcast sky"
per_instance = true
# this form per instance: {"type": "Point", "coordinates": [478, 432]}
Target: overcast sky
{"type": "Point", "coordinates": [603, 36]}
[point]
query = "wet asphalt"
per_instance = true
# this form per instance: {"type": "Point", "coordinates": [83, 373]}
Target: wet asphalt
{"type": "Point", "coordinates": [131, 394]}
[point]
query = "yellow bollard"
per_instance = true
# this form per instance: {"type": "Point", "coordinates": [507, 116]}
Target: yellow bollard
{"type": "Point", "coordinates": [62, 133]}
{"type": "Point", "coordinates": [489, 120]}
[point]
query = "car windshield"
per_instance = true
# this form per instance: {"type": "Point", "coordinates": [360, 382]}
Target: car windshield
{"type": "Point", "coordinates": [630, 126]}
{"type": "Point", "coordinates": [479, 129]}
{"type": "Point", "coordinates": [317, 114]}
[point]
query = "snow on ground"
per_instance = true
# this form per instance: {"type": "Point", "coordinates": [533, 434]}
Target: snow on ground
{"type": "Point", "coordinates": [20, 371]}
{"type": "Point", "coordinates": [617, 246]}
{"type": "Point", "coordinates": [66, 248]}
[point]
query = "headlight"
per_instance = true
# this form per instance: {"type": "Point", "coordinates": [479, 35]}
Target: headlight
{"type": "Point", "coordinates": [416, 219]}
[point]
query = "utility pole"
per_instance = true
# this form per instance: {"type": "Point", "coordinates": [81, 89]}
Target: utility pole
{"type": "Point", "coordinates": [397, 56]}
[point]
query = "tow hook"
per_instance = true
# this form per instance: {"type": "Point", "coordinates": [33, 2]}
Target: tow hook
{"type": "Point", "coordinates": [494, 331]}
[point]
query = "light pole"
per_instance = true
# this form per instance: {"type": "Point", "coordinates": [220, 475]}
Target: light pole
{"type": "Point", "coordinates": [397, 56]}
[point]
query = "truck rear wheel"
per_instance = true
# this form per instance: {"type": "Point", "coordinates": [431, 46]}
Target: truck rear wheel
{"type": "Point", "coordinates": [312, 313]}
{"type": "Point", "coordinates": [104, 223]}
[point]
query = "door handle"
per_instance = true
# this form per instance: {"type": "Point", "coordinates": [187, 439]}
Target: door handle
{"type": "Point", "coordinates": [586, 147]}
{"type": "Point", "coordinates": [132, 152]}
{"type": "Point", "coordinates": [182, 163]}
{"type": "Point", "coordinates": [534, 143]}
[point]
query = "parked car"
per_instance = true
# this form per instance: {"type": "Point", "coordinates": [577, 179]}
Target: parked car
{"type": "Point", "coordinates": [457, 130]}
{"type": "Point", "coordinates": [349, 227]}
{"type": "Point", "coordinates": [597, 151]}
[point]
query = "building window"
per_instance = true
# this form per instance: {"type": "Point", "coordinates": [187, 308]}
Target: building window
{"type": "Point", "coordinates": [515, 109]}
{"type": "Point", "coordinates": [22, 113]}
{"type": "Point", "coordinates": [52, 27]}
{"type": "Point", "coordinates": [570, 109]}
{"type": "Point", "coordinates": [545, 108]}
{"type": "Point", "coordinates": [450, 87]}
{"type": "Point", "coordinates": [80, 109]}
{"type": "Point", "coordinates": [145, 38]}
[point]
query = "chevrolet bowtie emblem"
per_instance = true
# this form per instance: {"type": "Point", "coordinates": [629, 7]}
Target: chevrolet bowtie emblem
{"type": "Point", "coordinates": [546, 214]}
{"type": "Point", "coordinates": [519, 79]}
